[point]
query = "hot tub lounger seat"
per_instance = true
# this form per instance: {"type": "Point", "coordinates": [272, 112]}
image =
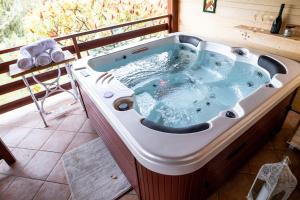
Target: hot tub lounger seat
{"type": "Point", "coordinates": [189, 39]}
{"type": "Point", "coordinates": [271, 65]}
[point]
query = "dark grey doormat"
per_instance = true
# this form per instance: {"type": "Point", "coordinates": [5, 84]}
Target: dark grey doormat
{"type": "Point", "coordinates": [93, 174]}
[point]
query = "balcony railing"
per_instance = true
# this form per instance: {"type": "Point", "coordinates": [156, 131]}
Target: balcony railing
{"type": "Point", "coordinates": [77, 48]}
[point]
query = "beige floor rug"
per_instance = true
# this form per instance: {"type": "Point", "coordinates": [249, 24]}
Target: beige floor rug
{"type": "Point", "coordinates": [93, 174]}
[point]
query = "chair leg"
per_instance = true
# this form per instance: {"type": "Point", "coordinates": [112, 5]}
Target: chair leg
{"type": "Point", "coordinates": [6, 154]}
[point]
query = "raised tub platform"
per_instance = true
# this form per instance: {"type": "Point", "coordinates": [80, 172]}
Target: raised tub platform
{"type": "Point", "coordinates": [163, 173]}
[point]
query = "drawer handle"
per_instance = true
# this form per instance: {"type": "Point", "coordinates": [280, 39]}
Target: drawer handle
{"type": "Point", "coordinates": [236, 151]}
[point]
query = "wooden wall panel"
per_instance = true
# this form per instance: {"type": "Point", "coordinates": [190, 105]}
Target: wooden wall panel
{"type": "Point", "coordinates": [219, 27]}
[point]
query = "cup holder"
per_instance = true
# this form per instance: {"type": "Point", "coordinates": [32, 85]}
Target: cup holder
{"type": "Point", "coordinates": [270, 85]}
{"type": "Point", "coordinates": [240, 51]}
{"type": "Point", "coordinates": [230, 114]}
{"type": "Point", "coordinates": [123, 104]}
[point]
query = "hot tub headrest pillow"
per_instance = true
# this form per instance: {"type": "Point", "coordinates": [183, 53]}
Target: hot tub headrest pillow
{"type": "Point", "coordinates": [189, 39]}
{"type": "Point", "coordinates": [189, 129]}
{"type": "Point", "coordinates": [271, 65]}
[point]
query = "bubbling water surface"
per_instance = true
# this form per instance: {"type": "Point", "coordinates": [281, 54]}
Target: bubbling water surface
{"type": "Point", "coordinates": [176, 87]}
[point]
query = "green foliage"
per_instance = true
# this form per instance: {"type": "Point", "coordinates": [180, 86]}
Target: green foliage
{"type": "Point", "coordinates": [62, 17]}
{"type": "Point", "coordinates": [10, 21]}
{"type": "Point", "coordinates": [12, 31]}
{"type": "Point", "coordinates": [23, 21]}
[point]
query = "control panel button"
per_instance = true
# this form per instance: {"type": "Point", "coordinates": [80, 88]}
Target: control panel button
{"type": "Point", "coordinates": [108, 94]}
{"type": "Point", "coordinates": [84, 73]}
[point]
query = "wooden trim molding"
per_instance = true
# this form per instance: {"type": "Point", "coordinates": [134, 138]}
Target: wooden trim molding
{"type": "Point", "coordinates": [173, 10]}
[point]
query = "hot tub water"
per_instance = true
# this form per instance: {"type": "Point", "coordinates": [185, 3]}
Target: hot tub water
{"type": "Point", "coordinates": [176, 86]}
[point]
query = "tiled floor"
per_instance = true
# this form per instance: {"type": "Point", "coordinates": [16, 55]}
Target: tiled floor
{"type": "Point", "coordinates": [38, 172]}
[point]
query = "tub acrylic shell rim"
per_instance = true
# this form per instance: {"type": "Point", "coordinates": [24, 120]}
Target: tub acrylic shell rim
{"type": "Point", "coordinates": [180, 154]}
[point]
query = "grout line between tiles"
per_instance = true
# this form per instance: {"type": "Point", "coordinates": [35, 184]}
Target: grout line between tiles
{"type": "Point", "coordinates": [38, 179]}
{"type": "Point", "coordinates": [38, 190]}
{"type": "Point", "coordinates": [14, 178]}
{"type": "Point", "coordinates": [39, 149]}
{"type": "Point", "coordinates": [53, 168]}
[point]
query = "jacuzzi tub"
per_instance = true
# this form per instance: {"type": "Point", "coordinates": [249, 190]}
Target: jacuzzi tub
{"type": "Point", "coordinates": [226, 90]}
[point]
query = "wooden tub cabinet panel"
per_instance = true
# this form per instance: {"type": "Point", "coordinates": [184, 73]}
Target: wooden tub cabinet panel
{"type": "Point", "coordinates": [154, 186]}
{"type": "Point", "coordinates": [197, 185]}
{"type": "Point", "coordinates": [220, 168]}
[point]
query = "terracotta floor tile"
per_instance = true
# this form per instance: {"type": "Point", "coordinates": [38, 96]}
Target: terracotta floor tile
{"type": "Point", "coordinates": [10, 117]}
{"type": "Point", "coordinates": [51, 191]}
{"type": "Point", "coordinates": [15, 136]}
{"type": "Point", "coordinates": [5, 181]}
{"type": "Point", "coordinates": [260, 158]}
{"type": "Point", "coordinates": [23, 156]}
{"type": "Point", "coordinates": [62, 100]}
{"type": "Point", "coordinates": [132, 192]}
{"type": "Point", "coordinates": [78, 109]}
{"type": "Point", "coordinates": [129, 197]}
{"type": "Point", "coordinates": [42, 164]}
{"type": "Point", "coordinates": [35, 139]}
{"type": "Point", "coordinates": [81, 139]}
{"type": "Point", "coordinates": [4, 130]}
{"type": "Point", "coordinates": [58, 174]}
{"type": "Point", "coordinates": [72, 123]}
{"type": "Point", "coordinates": [53, 123]}
{"type": "Point", "coordinates": [21, 189]}
{"type": "Point", "coordinates": [58, 141]}
{"type": "Point", "coordinates": [17, 113]}
{"type": "Point", "coordinates": [63, 110]}
{"type": "Point", "coordinates": [87, 127]}
{"type": "Point", "coordinates": [237, 188]}
{"type": "Point", "coordinates": [24, 118]}
{"type": "Point", "coordinates": [29, 120]}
